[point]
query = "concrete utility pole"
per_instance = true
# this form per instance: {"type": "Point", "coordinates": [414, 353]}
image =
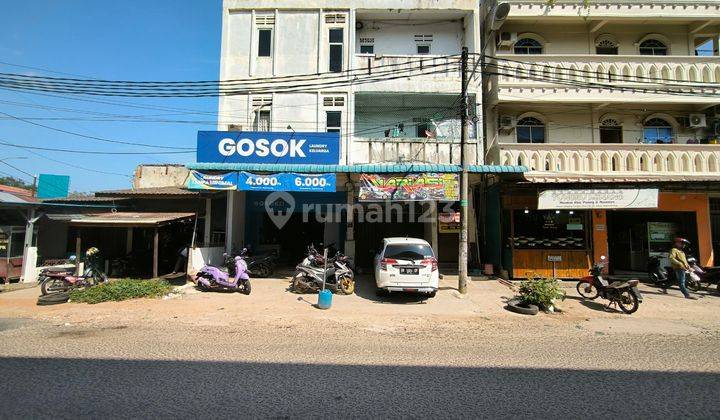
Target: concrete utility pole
{"type": "Point", "coordinates": [463, 245]}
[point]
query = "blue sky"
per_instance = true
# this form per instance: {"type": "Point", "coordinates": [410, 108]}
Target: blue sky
{"type": "Point", "coordinates": [128, 39]}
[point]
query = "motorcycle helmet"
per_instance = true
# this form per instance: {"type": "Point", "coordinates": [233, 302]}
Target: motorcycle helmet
{"type": "Point", "coordinates": [679, 240]}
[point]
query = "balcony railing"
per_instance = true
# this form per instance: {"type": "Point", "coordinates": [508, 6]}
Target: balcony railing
{"type": "Point", "coordinates": [413, 150]}
{"type": "Point", "coordinates": [432, 66]}
{"type": "Point", "coordinates": [622, 9]}
{"type": "Point", "coordinates": [613, 158]}
{"type": "Point", "coordinates": [630, 70]}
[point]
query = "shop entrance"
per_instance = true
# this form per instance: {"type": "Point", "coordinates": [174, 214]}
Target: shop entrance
{"type": "Point", "coordinates": [633, 236]}
{"type": "Point", "coordinates": [370, 231]}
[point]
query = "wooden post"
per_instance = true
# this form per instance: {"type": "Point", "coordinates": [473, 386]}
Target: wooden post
{"type": "Point", "coordinates": [78, 250]}
{"type": "Point", "coordinates": [155, 252]}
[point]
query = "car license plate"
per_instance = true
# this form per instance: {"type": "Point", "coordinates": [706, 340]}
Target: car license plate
{"type": "Point", "coordinates": [409, 271]}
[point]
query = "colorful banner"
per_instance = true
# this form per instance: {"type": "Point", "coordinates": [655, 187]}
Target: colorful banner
{"type": "Point", "coordinates": [268, 147]}
{"type": "Point", "coordinates": [200, 181]}
{"type": "Point", "coordinates": [286, 181]}
{"type": "Point", "coordinates": [409, 187]}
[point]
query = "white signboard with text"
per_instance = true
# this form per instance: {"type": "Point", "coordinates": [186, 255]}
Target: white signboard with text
{"type": "Point", "coordinates": [646, 198]}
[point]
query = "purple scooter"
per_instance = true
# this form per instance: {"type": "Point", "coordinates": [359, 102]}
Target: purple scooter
{"type": "Point", "coordinates": [235, 279]}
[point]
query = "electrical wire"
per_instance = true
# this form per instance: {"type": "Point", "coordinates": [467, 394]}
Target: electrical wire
{"type": "Point", "coordinates": [87, 152]}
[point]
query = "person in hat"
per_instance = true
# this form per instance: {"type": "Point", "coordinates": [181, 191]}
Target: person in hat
{"type": "Point", "coordinates": [679, 263]}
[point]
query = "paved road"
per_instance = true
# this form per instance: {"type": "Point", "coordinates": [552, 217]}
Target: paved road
{"type": "Point", "coordinates": [325, 370]}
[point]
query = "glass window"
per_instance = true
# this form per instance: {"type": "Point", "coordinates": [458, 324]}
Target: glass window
{"type": "Point", "coordinates": [528, 46]}
{"type": "Point", "coordinates": [549, 229]}
{"type": "Point", "coordinates": [530, 130]}
{"type": "Point", "coordinates": [653, 47]}
{"type": "Point", "coordinates": [264, 42]}
{"type": "Point", "coordinates": [423, 49]}
{"type": "Point", "coordinates": [333, 123]}
{"type": "Point", "coordinates": [656, 131]}
{"type": "Point", "coordinates": [408, 251]}
{"type": "Point", "coordinates": [336, 50]}
{"type": "Point", "coordinates": [367, 49]}
{"type": "Point", "coordinates": [262, 120]}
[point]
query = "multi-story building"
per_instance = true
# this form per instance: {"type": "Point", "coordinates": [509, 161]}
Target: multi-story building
{"type": "Point", "coordinates": [385, 75]}
{"type": "Point", "coordinates": [616, 99]}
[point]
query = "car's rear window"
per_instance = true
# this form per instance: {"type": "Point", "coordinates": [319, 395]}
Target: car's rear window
{"type": "Point", "coordinates": [408, 251]}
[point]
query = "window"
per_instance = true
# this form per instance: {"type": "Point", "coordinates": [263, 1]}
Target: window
{"type": "Point", "coordinates": [423, 49]}
{"type": "Point", "coordinates": [606, 45]}
{"type": "Point", "coordinates": [367, 49]}
{"type": "Point", "coordinates": [422, 127]}
{"type": "Point", "coordinates": [334, 119]}
{"type": "Point", "coordinates": [264, 42]}
{"type": "Point", "coordinates": [653, 47]}
{"type": "Point", "coordinates": [262, 120]}
{"type": "Point", "coordinates": [610, 131]}
{"type": "Point", "coordinates": [408, 251]}
{"type": "Point", "coordinates": [528, 46]}
{"type": "Point", "coordinates": [336, 50]}
{"type": "Point", "coordinates": [530, 130]}
{"type": "Point", "coordinates": [550, 229]}
{"type": "Point", "coordinates": [657, 130]}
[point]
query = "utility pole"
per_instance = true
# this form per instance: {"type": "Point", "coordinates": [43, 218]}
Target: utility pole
{"type": "Point", "coordinates": [463, 242]}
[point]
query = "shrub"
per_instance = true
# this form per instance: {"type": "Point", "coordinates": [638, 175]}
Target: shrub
{"type": "Point", "coordinates": [541, 292]}
{"type": "Point", "coordinates": [121, 290]}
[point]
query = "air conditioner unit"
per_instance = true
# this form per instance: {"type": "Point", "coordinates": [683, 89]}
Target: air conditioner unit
{"type": "Point", "coordinates": [507, 39]}
{"type": "Point", "coordinates": [507, 122]}
{"type": "Point", "coordinates": [697, 121]}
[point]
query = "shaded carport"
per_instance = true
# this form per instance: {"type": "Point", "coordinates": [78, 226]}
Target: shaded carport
{"type": "Point", "coordinates": [128, 220]}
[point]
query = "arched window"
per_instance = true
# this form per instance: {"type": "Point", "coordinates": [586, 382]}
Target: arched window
{"type": "Point", "coordinates": [653, 47]}
{"type": "Point", "coordinates": [528, 46]}
{"type": "Point", "coordinates": [530, 130]}
{"type": "Point", "coordinates": [606, 45]}
{"type": "Point", "coordinates": [657, 130]}
{"type": "Point", "coordinates": [610, 131]}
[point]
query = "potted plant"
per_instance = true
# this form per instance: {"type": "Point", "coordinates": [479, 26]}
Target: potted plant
{"type": "Point", "coordinates": [535, 294]}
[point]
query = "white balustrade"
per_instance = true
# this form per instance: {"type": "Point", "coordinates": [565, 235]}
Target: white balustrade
{"type": "Point", "coordinates": [413, 150]}
{"type": "Point", "coordinates": [631, 70]}
{"type": "Point", "coordinates": [613, 158]}
{"type": "Point", "coordinates": [409, 65]}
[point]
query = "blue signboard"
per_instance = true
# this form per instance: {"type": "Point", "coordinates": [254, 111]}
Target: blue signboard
{"type": "Point", "coordinates": [268, 147]}
{"type": "Point", "coordinates": [286, 182]}
{"type": "Point", "coordinates": [200, 181]}
{"type": "Point", "coordinates": [53, 186]}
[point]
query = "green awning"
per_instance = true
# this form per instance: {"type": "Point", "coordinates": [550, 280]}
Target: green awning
{"type": "Point", "coordinates": [363, 168]}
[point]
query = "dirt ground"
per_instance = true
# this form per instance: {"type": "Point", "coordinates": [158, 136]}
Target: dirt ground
{"type": "Point", "coordinates": [482, 307]}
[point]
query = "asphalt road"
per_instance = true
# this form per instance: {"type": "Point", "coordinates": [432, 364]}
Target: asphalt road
{"type": "Point", "coordinates": [323, 370]}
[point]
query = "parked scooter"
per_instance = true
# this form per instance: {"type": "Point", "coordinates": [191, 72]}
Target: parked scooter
{"type": "Point", "coordinates": [262, 265]}
{"type": "Point", "coordinates": [663, 277]}
{"type": "Point", "coordinates": [235, 277]}
{"type": "Point", "coordinates": [699, 278]}
{"type": "Point", "coordinates": [308, 275]}
{"type": "Point", "coordinates": [623, 293]}
{"type": "Point", "coordinates": [63, 281]}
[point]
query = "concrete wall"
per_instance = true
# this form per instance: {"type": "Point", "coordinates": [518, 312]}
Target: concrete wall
{"type": "Point", "coordinates": [391, 38]}
{"type": "Point", "coordinates": [149, 176]}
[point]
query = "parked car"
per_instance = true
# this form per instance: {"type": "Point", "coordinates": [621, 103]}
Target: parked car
{"type": "Point", "coordinates": [406, 265]}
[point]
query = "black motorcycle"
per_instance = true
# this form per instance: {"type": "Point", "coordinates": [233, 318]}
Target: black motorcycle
{"type": "Point", "coordinates": [624, 294]}
{"type": "Point", "coordinates": [308, 276]}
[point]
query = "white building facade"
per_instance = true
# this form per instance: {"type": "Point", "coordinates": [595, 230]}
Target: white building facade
{"type": "Point", "coordinates": [608, 94]}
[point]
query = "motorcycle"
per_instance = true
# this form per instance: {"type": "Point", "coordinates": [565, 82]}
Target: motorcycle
{"type": "Point", "coordinates": [262, 265]}
{"type": "Point", "coordinates": [699, 278]}
{"type": "Point", "coordinates": [659, 276]}
{"type": "Point", "coordinates": [235, 277]}
{"type": "Point", "coordinates": [622, 293]}
{"type": "Point", "coordinates": [308, 275]}
{"type": "Point", "coordinates": [61, 280]}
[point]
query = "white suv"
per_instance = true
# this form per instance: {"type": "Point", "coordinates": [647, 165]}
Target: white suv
{"type": "Point", "coordinates": [406, 265]}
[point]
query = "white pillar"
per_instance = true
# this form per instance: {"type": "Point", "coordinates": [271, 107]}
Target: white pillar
{"type": "Point", "coordinates": [208, 220]}
{"type": "Point", "coordinates": [29, 271]}
{"type": "Point", "coordinates": [350, 227]}
{"type": "Point", "coordinates": [229, 220]}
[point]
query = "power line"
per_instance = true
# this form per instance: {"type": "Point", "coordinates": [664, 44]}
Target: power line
{"type": "Point", "coordinates": [87, 152]}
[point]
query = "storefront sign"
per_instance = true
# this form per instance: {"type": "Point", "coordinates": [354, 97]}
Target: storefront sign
{"type": "Point", "coordinates": [449, 222]}
{"type": "Point", "coordinates": [598, 199]}
{"type": "Point", "coordinates": [554, 258]}
{"type": "Point", "coordinates": [268, 147]}
{"type": "Point", "coordinates": [200, 181]}
{"type": "Point", "coordinates": [409, 187]}
{"type": "Point", "coordinates": [286, 182]}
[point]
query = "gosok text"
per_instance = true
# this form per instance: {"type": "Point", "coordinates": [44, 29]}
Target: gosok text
{"type": "Point", "coordinates": [262, 147]}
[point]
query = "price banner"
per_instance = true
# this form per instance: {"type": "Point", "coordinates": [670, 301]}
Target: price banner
{"type": "Point", "coordinates": [286, 181]}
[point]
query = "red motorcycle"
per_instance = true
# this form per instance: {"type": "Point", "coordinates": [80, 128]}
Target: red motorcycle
{"type": "Point", "coordinates": [62, 280]}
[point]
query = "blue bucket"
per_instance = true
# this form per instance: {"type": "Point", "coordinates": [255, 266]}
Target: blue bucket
{"type": "Point", "coordinates": [324, 299]}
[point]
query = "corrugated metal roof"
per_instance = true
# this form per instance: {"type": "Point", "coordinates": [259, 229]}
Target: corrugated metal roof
{"type": "Point", "coordinates": [7, 198]}
{"type": "Point", "coordinates": [146, 191]}
{"type": "Point", "coordinates": [543, 177]}
{"type": "Point", "coordinates": [122, 218]}
{"type": "Point", "coordinates": [363, 168]}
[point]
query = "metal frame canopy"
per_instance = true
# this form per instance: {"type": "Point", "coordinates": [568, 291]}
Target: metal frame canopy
{"type": "Point", "coordinates": [126, 219]}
